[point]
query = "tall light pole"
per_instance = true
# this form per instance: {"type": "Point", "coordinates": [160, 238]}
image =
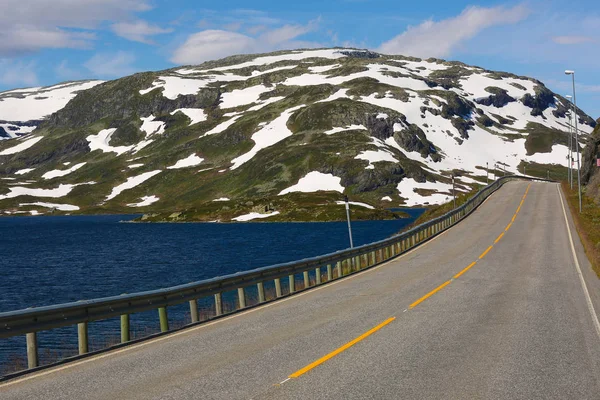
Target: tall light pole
{"type": "Point", "coordinates": [453, 191]}
{"type": "Point", "coordinates": [572, 73]}
{"type": "Point", "coordinates": [487, 174]}
{"type": "Point", "coordinates": [348, 218]}
{"type": "Point", "coordinates": [570, 164]}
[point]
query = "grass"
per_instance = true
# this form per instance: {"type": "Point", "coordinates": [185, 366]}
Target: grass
{"type": "Point", "coordinates": [587, 223]}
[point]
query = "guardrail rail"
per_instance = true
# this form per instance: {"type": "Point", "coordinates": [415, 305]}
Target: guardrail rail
{"type": "Point", "coordinates": [326, 268]}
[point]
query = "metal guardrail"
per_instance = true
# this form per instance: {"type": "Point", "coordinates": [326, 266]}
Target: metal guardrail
{"type": "Point", "coordinates": [326, 268]}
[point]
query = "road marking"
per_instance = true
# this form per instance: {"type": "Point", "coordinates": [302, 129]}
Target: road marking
{"type": "Point", "coordinates": [581, 279]}
{"type": "Point", "coordinates": [485, 252]}
{"type": "Point", "coordinates": [334, 353]}
{"type": "Point", "coordinates": [499, 237]}
{"type": "Point", "coordinates": [465, 270]}
{"type": "Point", "coordinates": [428, 295]}
{"type": "Point", "coordinates": [508, 227]}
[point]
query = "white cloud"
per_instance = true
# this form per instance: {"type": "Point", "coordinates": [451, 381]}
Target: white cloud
{"type": "Point", "coordinates": [572, 39]}
{"type": "Point", "coordinates": [31, 25]}
{"type": "Point", "coordinates": [439, 39]}
{"type": "Point", "coordinates": [138, 31]}
{"type": "Point", "coordinates": [111, 64]}
{"type": "Point", "coordinates": [214, 44]}
{"type": "Point", "coordinates": [18, 73]}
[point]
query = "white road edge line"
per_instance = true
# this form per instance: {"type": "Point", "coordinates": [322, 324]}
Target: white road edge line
{"type": "Point", "coordinates": [223, 319]}
{"type": "Point", "coordinates": [581, 279]}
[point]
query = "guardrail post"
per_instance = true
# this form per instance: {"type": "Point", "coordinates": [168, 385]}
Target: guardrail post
{"type": "Point", "coordinates": [32, 350]}
{"type": "Point", "coordinates": [194, 311]}
{"type": "Point", "coordinates": [82, 337]}
{"type": "Point", "coordinates": [366, 260]}
{"type": "Point", "coordinates": [218, 304]}
{"type": "Point", "coordinates": [163, 318]}
{"type": "Point", "coordinates": [125, 332]}
{"type": "Point", "coordinates": [329, 273]}
{"type": "Point", "coordinates": [261, 292]}
{"type": "Point", "coordinates": [386, 252]}
{"type": "Point", "coordinates": [318, 275]}
{"type": "Point", "coordinates": [241, 297]}
{"type": "Point", "coordinates": [338, 266]}
{"type": "Point", "coordinates": [277, 287]}
{"type": "Point", "coordinates": [306, 279]}
{"type": "Point", "coordinates": [292, 280]}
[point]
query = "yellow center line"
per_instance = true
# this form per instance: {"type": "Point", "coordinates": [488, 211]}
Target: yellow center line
{"type": "Point", "coordinates": [334, 353]}
{"type": "Point", "coordinates": [339, 350]}
{"type": "Point", "coordinates": [428, 295]}
{"type": "Point", "coordinates": [485, 252]}
{"type": "Point", "coordinates": [499, 237]}
{"type": "Point", "coordinates": [465, 270]}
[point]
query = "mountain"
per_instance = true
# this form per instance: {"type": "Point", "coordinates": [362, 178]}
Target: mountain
{"type": "Point", "coordinates": [282, 136]}
{"type": "Point", "coordinates": [22, 110]}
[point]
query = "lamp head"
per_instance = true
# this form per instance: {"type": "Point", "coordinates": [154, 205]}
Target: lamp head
{"type": "Point", "coordinates": [569, 72]}
{"type": "Point", "coordinates": [569, 96]}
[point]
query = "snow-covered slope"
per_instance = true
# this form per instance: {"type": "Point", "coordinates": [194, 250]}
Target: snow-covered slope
{"type": "Point", "coordinates": [386, 130]}
{"type": "Point", "coordinates": [21, 110]}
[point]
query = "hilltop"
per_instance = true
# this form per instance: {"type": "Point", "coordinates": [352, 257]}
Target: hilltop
{"type": "Point", "coordinates": [281, 136]}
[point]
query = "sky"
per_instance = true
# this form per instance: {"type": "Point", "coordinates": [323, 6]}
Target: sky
{"type": "Point", "coordinates": [43, 42]}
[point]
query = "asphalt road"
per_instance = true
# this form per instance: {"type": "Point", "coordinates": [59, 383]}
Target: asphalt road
{"type": "Point", "coordinates": [516, 325]}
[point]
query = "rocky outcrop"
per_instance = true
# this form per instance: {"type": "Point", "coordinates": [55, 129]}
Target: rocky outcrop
{"type": "Point", "coordinates": [590, 154]}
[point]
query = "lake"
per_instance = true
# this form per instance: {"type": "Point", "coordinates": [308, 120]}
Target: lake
{"type": "Point", "coordinates": [57, 259]}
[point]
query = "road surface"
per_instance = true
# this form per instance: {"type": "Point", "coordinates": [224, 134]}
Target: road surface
{"type": "Point", "coordinates": [517, 324]}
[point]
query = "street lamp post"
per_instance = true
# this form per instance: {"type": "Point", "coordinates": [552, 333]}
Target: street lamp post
{"type": "Point", "coordinates": [348, 218]}
{"type": "Point", "coordinates": [570, 156]}
{"type": "Point", "coordinates": [572, 73]}
{"type": "Point", "coordinates": [453, 192]}
{"type": "Point", "coordinates": [487, 174]}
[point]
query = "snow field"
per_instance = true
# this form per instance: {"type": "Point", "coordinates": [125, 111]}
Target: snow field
{"type": "Point", "coordinates": [101, 142]}
{"type": "Point", "coordinates": [356, 203]}
{"type": "Point", "coordinates": [191, 161]}
{"type": "Point", "coordinates": [58, 173]}
{"type": "Point", "coordinates": [373, 156]}
{"type": "Point", "coordinates": [151, 127]}
{"type": "Point", "coordinates": [131, 183]}
{"type": "Point", "coordinates": [241, 97]}
{"type": "Point", "coordinates": [194, 114]}
{"type": "Point", "coordinates": [270, 134]}
{"type": "Point", "coordinates": [60, 207]}
{"type": "Point", "coordinates": [348, 128]}
{"type": "Point", "coordinates": [24, 171]}
{"type": "Point", "coordinates": [316, 181]}
{"type": "Point", "coordinates": [21, 147]}
{"type": "Point", "coordinates": [39, 102]}
{"type": "Point", "coordinates": [60, 191]}
{"type": "Point", "coordinates": [253, 215]}
{"type": "Point", "coordinates": [145, 201]}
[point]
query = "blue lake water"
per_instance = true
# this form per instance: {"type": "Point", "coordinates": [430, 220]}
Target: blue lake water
{"type": "Point", "coordinates": [52, 260]}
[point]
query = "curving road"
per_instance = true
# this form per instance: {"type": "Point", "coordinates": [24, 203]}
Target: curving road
{"type": "Point", "coordinates": [517, 324]}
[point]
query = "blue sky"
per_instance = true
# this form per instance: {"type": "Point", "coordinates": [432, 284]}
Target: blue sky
{"type": "Point", "coordinates": [43, 42]}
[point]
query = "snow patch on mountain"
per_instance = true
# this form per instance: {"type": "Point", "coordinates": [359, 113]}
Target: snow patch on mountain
{"type": "Point", "coordinates": [145, 201]}
{"type": "Point", "coordinates": [254, 215]}
{"type": "Point", "coordinates": [59, 207]}
{"type": "Point", "coordinates": [191, 161]}
{"type": "Point", "coordinates": [272, 133]}
{"type": "Point", "coordinates": [373, 156]}
{"type": "Point", "coordinates": [194, 114]}
{"type": "Point", "coordinates": [314, 182]}
{"type": "Point", "coordinates": [356, 203]}
{"type": "Point", "coordinates": [60, 191]}
{"type": "Point", "coordinates": [21, 147]}
{"type": "Point", "coordinates": [58, 172]}
{"type": "Point", "coordinates": [131, 182]}
{"type": "Point", "coordinates": [347, 128]}
{"type": "Point", "coordinates": [39, 102]}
